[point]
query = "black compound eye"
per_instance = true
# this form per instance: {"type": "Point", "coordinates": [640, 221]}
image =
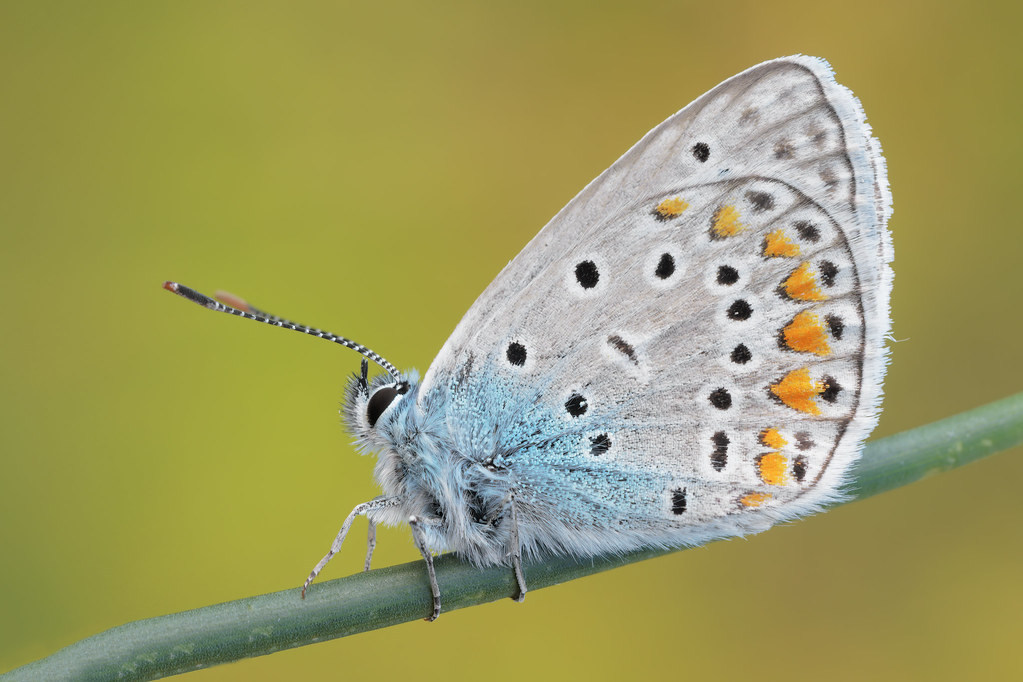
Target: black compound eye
{"type": "Point", "coordinates": [380, 401]}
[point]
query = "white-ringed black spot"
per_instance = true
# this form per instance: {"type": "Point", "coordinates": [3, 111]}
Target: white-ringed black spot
{"type": "Point", "coordinates": [576, 405]}
{"type": "Point", "coordinates": [701, 152]}
{"type": "Point", "coordinates": [721, 398]}
{"type": "Point", "coordinates": [516, 353]}
{"type": "Point", "coordinates": [831, 389]}
{"type": "Point", "coordinates": [623, 347]}
{"type": "Point", "coordinates": [762, 201]}
{"type": "Point", "coordinates": [741, 354]}
{"type": "Point", "coordinates": [808, 232]}
{"type": "Point", "coordinates": [828, 272]}
{"type": "Point", "coordinates": [799, 468]}
{"type": "Point", "coordinates": [740, 310]}
{"type": "Point", "coordinates": [836, 325]}
{"type": "Point", "coordinates": [600, 444]}
{"type": "Point", "coordinates": [804, 441]}
{"type": "Point", "coordinates": [719, 456]}
{"type": "Point", "coordinates": [678, 501]}
{"type": "Point", "coordinates": [727, 275]}
{"type": "Point", "coordinates": [665, 266]}
{"type": "Point", "coordinates": [586, 274]}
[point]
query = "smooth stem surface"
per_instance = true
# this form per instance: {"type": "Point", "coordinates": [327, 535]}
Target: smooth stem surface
{"type": "Point", "coordinates": [176, 643]}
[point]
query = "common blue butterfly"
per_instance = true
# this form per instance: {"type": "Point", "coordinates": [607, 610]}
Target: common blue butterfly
{"type": "Point", "coordinates": [693, 348]}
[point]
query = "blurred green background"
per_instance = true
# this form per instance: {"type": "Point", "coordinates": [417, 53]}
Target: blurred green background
{"type": "Point", "coordinates": [340, 164]}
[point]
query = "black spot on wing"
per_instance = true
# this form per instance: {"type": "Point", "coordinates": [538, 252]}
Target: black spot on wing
{"type": "Point", "coordinates": [799, 468]}
{"type": "Point", "coordinates": [740, 310]}
{"type": "Point", "coordinates": [720, 398]}
{"type": "Point", "coordinates": [678, 501]}
{"type": "Point", "coordinates": [665, 266]}
{"type": "Point", "coordinates": [600, 444]}
{"type": "Point", "coordinates": [586, 274]}
{"type": "Point", "coordinates": [836, 325]}
{"type": "Point", "coordinates": [741, 354]}
{"type": "Point", "coordinates": [719, 456]}
{"type": "Point", "coordinates": [831, 389]}
{"type": "Point", "coordinates": [727, 275]}
{"type": "Point", "coordinates": [623, 347]}
{"type": "Point", "coordinates": [761, 201]}
{"type": "Point", "coordinates": [828, 272]}
{"type": "Point", "coordinates": [516, 353]}
{"type": "Point", "coordinates": [576, 405]}
{"type": "Point", "coordinates": [808, 231]}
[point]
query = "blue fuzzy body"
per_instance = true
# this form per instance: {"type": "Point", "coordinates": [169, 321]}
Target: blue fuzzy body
{"type": "Point", "coordinates": [456, 456]}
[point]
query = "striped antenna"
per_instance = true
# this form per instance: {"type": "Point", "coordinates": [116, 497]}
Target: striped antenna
{"type": "Point", "coordinates": [228, 303]}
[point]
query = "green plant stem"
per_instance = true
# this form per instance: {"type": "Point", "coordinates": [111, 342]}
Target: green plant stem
{"type": "Point", "coordinates": [180, 642]}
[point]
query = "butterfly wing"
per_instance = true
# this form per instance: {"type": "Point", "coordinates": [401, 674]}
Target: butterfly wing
{"type": "Point", "coordinates": [693, 347]}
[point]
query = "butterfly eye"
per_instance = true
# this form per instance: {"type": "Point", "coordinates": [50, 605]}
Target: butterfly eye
{"type": "Point", "coordinates": [382, 399]}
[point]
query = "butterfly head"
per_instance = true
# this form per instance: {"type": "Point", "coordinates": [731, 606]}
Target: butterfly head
{"type": "Point", "coordinates": [382, 416]}
{"type": "Point", "coordinates": [372, 405]}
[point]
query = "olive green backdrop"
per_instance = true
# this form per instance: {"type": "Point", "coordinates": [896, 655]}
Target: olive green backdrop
{"type": "Point", "coordinates": [369, 170]}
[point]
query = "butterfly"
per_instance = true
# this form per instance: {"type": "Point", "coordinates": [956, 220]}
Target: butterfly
{"type": "Point", "coordinates": [692, 349]}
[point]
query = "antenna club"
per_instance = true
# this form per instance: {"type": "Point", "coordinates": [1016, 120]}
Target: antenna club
{"type": "Point", "coordinates": [192, 295]}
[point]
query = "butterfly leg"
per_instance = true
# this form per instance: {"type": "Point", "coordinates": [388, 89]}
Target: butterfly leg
{"type": "Point", "coordinates": [371, 543]}
{"type": "Point", "coordinates": [360, 510]}
{"type": "Point", "coordinates": [416, 524]}
{"type": "Point", "coordinates": [516, 552]}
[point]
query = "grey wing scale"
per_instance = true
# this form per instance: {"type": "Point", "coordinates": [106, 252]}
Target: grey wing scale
{"type": "Point", "coordinates": [695, 340]}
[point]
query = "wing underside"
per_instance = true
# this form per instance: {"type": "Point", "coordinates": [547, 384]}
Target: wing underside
{"type": "Point", "coordinates": [695, 342]}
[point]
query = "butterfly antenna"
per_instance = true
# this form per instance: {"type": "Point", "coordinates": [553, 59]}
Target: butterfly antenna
{"type": "Point", "coordinates": [228, 303]}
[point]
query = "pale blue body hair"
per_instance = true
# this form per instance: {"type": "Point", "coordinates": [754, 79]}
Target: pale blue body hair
{"type": "Point", "coordinates": [456, 456]}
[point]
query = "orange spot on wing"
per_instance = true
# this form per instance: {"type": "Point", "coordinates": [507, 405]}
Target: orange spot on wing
{"type": "Point", "coordinates": [801, 285]}
{"type": "Point", "coordinates": [773, 468]}
{"type": "Point", "coordinates": [805, 334]}
{"type": "Point", "coordinates": [754, 499]}
{"type": "Point", "coordinates": [797, 390]}
{"type": "Point", "coordinates": [773, 439]}
{"type": "Point", "coordinates": [672, 208]}
{"type": "Point", "coordinates": [726, 222]}
{"type": "Point", "coordinates": [777, 244]}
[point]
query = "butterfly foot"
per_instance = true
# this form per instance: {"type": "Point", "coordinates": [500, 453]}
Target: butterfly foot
{"type": "Point", "coordinates": [436, 609]}
{"type": "Point", "coordinates": [417, 536]}
{"type": "Point", "coordinates": [520, 595]}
